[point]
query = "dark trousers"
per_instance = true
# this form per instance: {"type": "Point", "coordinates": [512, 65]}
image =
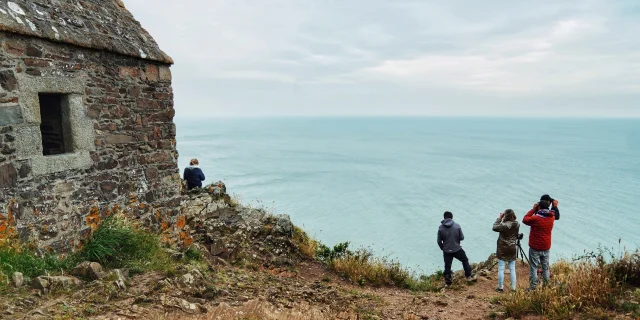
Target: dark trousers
{"type": "Point", "coordinates": [448, 259]}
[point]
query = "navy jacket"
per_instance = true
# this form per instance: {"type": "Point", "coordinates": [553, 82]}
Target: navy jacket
{"type": "Point", "coordinates": [194, 176]}
{"type": "Point", "coordinates": [449, 236]}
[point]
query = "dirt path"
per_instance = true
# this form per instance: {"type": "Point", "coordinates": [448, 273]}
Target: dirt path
{"type": "Point", "coordinates": [472, 301]}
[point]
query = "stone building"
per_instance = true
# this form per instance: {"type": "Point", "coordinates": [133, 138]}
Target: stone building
{"type": "Point", "coordinates": [86, 122]}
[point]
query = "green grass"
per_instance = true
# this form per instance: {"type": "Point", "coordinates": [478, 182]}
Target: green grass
{"type": "Point", "coordinates": [14, 258]}
{"type": "Point", "coordinates": [117, 243]}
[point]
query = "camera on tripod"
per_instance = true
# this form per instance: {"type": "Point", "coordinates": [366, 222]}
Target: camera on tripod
{"type": "Point", "coordinates": [520, 251]}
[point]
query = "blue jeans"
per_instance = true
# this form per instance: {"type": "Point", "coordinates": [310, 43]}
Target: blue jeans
{"type": "Point", "coordinates": [537, 258]}
{"type": "Point", "coordinates": [512, 269]}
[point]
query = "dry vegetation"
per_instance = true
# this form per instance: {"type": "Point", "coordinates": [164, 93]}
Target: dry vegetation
{"type": "Point", "coordinates": [591, 285]}
{"type": "Point", "coordinates": [363, 267]}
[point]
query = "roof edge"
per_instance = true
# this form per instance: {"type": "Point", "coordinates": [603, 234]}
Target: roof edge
{"type": "Point", "coordinates": [106, 26]}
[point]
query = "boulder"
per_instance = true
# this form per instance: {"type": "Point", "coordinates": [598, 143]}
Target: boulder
{"type": "Point", "coordinates": [120, 277]}
{"type": "Point", "coordinates": [89, 270]}
{"type": "Point", "coordinates": [217, 189]}
{"type": "Point", "coordinates": [45, 283]}
{"type": "Point", "coordinates": [18, 279]}
{"type": "Point", "coordinates": [283, 224]}
{"type": "Point", "coordinates": [64, 282]}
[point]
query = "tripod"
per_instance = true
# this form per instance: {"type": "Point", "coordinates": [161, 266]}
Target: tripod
{"type": "Point", "coordinates": [521, 253]}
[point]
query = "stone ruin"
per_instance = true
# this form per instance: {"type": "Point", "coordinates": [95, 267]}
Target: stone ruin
{"type": "Point", "coordinates": [86, 123]}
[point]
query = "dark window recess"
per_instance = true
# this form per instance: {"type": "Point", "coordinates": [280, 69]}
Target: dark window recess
{"type": "Point", "coordinates": [52, 127]}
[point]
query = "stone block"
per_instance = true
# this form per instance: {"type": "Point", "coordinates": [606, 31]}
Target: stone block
{"type": "Point", "coordinates": [8, 176]}
{"type": "Point", "coordinates": [165, 73]}
{"type": "Point", "coordinates": [34, 51]}
{"type": "Point", "coordinates": [8, 80]}
{"type": "Point", "coordinates": [10, 115]}
{"type": "Point", "coordinates": [118, 139]}
{"type": "Point", "coordinates": [151, 73]}
{"type": "Point", "coordinates": [15, 47]}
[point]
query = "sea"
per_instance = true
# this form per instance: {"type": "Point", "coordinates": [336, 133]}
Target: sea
{"type": "Point", "coordinates": [383, 183]}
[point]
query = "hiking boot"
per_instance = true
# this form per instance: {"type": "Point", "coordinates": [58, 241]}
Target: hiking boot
{"type": "Point", "coordinates": [472, 279]}
{"type": "Point", "coordinates": [499, 290]}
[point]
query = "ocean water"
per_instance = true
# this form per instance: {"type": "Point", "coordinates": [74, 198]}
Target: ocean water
{"type": "Point", "coordinates": [384, 183]}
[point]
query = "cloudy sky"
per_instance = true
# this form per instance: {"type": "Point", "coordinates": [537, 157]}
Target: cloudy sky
{"type": "Point", "coordinates": [400, 57]}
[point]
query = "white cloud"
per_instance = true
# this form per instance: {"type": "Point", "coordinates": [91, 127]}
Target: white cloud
{"type": "Point", "coordinates": [548, 62]}
{"type": "Point", "coordinates": [300, 52]}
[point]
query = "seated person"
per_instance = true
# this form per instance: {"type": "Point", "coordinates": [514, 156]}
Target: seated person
{"type": "Point", "coordinates": [193, 175]}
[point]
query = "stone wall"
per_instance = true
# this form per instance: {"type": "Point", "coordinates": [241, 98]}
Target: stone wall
{"type": "Point", "coordinates": [124, 155]}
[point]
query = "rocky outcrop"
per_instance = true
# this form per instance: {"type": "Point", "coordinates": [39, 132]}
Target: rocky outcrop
{"type": "Point", "coordinates": [229, 231]}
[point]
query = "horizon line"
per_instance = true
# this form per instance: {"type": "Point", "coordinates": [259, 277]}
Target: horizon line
{"type": "Point", "coordinates": [593, 117]}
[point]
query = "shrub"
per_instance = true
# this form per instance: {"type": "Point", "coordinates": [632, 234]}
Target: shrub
{"type": "Point", "coordinates": [119, 243]}
{"type": "Point", "coordinates": [363, 268]}
{"type": "Point", "coordinates": [305, 244]}
{"type": "Point", "coordinates": [17, 258]}
{"type": "Point", "coordinates": [593, 282]}
{"type": "Point", "coordinates": [626, 269]}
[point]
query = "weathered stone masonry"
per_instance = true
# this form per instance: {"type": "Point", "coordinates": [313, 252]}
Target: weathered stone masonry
{"type": "Point", "coordinates": [117, 104]}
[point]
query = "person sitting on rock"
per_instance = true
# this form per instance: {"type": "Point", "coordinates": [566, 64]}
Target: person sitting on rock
{"type": "Point", "coordinates": [449, 237]}
{"type": "Point", "coordinates": [507, 250]}
{"type": "Point", "coordinates": [193, 175]}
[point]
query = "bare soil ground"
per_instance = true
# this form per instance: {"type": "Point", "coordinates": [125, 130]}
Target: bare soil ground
{"type": "Point", "coordinates": [309, 292]}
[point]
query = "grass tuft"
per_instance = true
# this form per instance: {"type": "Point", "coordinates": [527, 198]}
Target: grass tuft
{"type": "Point", "coordinates": [14, 257]}
{"type": "Point", "coordinates": [589, 285]}
{"type": "Point", "coordinates": [364, 268]}
{"type": "Point", "coordinates": [119, 243]}
{"type": "Point", "coordinates": [306, 245]}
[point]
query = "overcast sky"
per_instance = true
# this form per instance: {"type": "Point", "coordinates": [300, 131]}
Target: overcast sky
{"type": "Point", "coordinates": [399, 57]}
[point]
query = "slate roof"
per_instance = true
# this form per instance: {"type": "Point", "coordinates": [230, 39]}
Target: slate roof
{"type": "Point", "coordinates": [96, 24]}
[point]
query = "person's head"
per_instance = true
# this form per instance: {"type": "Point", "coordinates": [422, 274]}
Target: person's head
{"type": "Point", "coordinates": [543, 204]}
{"type": "Point", "coordinates": [509, 215]}
{"type": "Point", "coordinates": [194, 162]}
{"type": "Point", "coordinates": [546, 197]}
{"type": "Point", "coordinates": [448, 215]}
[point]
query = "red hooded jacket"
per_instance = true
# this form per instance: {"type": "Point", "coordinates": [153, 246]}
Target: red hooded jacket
{"type": "Point", "coordinates": [541, 226]}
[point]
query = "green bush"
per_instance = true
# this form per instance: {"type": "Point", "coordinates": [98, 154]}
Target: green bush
{"type": "Point", "coordinates": [25, 260]}
{"type": "Point", "coordinates": [119, 243]}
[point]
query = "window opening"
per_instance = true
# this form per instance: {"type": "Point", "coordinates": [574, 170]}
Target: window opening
{"type": "Point", "coordinates": [52, 126]}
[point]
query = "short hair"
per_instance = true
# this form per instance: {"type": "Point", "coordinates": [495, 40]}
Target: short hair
{"type": "Point", "coordinates": [509, 215]}
{"type": "Point", "coordinates": [193, 162]}
{"type": "Point", "coordinates": [544, 204]}
{"type": "Point", "coordinates": [448, 215]}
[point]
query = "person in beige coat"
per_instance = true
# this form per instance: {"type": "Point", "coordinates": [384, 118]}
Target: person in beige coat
{"type": "Point", "coordinates": [508, 226]}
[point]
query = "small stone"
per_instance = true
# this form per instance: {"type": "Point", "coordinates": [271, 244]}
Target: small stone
{"type": "Point", "coordinates": [18, 279]}
{"type": "Point", "coordinates": [89, 270]}
{"type": "Point", "coordinates": [120, 275]}
{"type": "Point", "coordinates": [187, 279]}
{"type": "Point", "coordinates": [40, 283]}
{"type": "Point", "coordinates": [63, 281]}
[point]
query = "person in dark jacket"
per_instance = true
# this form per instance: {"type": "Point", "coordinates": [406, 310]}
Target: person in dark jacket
{"type": "Point", "coordinates": [509, 228]}
{"type": "Point", "coordinates": [449, 237]}
{"type": "Point", "coordinates": [554, 205]}
{"type": "Point", "coordinates": [541, 221]}
{"type": "Point", "coordinates": [193, 174]}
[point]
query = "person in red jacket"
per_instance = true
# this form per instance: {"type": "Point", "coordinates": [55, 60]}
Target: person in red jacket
{"type": "Point", "coordinates": [541, 220]}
